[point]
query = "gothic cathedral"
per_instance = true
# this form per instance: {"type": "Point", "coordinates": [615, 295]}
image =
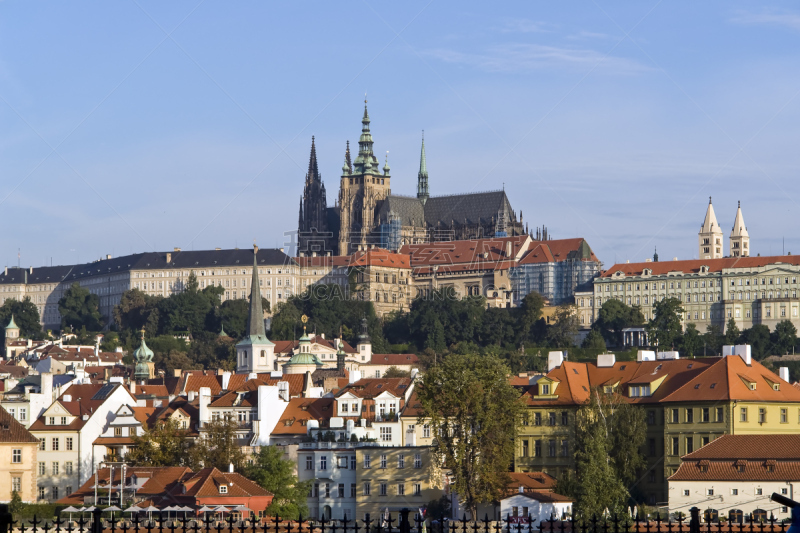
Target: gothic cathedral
{"type": "Point", "coordinates": [367, 214]}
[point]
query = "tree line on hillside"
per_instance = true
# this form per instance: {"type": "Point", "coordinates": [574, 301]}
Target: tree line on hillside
{"type": "Point", "coordinates": [666, 331]}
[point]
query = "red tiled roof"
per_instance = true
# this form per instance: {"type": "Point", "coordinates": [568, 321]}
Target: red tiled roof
{"type": "Point", "coordinates": [729, 471]}
{"type": "Point", "coordinates": [207, 481]}
{"type": "Point", "coordinates": [12, 431]}
{"type": "Point", "coordinates": [555, 251]}
{"type": "Point", "coordinates": [372, 387]}
{"type": "Point", "coordinates": [749, 447]}
{"type": "Point", "coordinates": [394, 359]}
{"type": "Point", "coordinates": [531, 481]}
{"type": "Point", "coordinates": [158, 479]}
{"type": "Point", "coordinates": [299, 411]}
{"type": "Point", "coordinates": [474, 252]}
{"type": "Point", "coordinates": [381, 257]}
{"type": "Point", "coordinates": [693, 265]}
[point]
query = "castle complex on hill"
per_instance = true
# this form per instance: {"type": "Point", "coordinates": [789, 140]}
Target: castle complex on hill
{"type": "Point", "coordinates": [367, 214]}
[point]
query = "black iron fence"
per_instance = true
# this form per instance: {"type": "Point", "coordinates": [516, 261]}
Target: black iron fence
{"type": "Point", "coordinates": [407, 522]}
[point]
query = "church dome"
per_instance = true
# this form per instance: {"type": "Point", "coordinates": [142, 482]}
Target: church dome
{"type": "Point", "coordinates": [143, 354]}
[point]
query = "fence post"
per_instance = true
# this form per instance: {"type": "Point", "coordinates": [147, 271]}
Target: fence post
{"type": "Point", "coordinates": [97, 520]}
{"type": "Point", "coordinates": [694, 521]}
{"type": "Point", "coordinates": [5, 518]}
{"type": "Point", "coordinates": [405, 526]}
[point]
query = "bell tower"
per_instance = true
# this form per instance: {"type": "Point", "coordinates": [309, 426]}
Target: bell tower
{"type": "Point", "coordinates": [710, 236]}
{"type": "Point", "coordinates": [362, 187]}
{"type": "Point", "coordinates": [740, 239]}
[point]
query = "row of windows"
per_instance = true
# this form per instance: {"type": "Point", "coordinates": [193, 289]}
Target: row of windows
{"type": "Point", "coordinates": [552, 448]}
{"type": "Point", "coordinates": [54, 493]}
{"type": "Point", "coordinates": [55, 443]}
{"type": "Point", "coordinates": [21, 414]}
{"type": "Point", "coordinates": [535, 418]}
{"type": "Point", "coordinates": [325, 490]}
{"type": "Point", "coordinates": [55, 469]}
{"type": "Point", "coordinates": [704, 414]}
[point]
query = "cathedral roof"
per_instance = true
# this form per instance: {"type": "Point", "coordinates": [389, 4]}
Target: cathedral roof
{"type": "Point", "coordinates": [471, 208]}
{"type": "Point", "coordinates": [409, 210]}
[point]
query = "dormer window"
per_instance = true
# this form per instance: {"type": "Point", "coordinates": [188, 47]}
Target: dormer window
{"type": "Point", "coordinates": [223, 489]}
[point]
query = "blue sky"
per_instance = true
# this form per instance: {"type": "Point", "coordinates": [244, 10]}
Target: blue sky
{"type": "Point", "coordinates": [136, 126]}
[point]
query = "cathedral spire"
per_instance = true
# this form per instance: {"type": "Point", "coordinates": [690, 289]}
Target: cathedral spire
{"type": "Point", "coordinates": [422, 176]}
{"type": "Point", "coordinates": [710, 235]}
{"type": "Point", "coordinates": [313, 169]}
{"type": "Point", "coordinates": [255, 317]}
{"type": "Point", "coordinates": [366, 160]}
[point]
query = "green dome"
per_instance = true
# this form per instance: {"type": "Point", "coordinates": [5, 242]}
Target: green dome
{"type": "Point", "coordinates": [143, 354]}
{"type": "Point", "coordinates": [12, 325]}
{"type": "Point", "coordinates": [304, 359]}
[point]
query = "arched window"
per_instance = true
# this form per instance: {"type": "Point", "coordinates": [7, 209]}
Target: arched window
{"type": "Point", "coordinates": [711, 515]}
{"type": "Point", "coordinates": [244, 356]}
{"type": "Point", "coordinates": [736, 516]}
{"type": "Point", "coordinates": [263, 353]}
{"type": "Point", "coordinates": [759, 516]}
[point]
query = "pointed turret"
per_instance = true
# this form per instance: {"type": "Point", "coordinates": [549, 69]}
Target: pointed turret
{"type": "Point", "coordinates": [347, 168]}
{"type": "Point", "coordinates": [145, 369]}
{"type": "Point", "coordinates": [710, 236]}
{"type": "Point", "coordinates": [739, 239]}
{"type": "Point", "coordinates": [366, 160]}
{"type": "Point", "coordinates": [422, 175]}
{"type": "Point", "coordinates": [313, 169]}
{"type": "Point", "coordinates": [255, 352]}
{"type": "Point", "coordinates": [386, 168]}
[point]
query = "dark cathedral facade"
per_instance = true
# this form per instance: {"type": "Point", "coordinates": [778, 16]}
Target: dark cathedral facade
{"type": "Point", "coordinates": [367, 214]}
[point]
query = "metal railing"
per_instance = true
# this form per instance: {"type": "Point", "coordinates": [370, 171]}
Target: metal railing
{"type": "Point", "coordinates": [404, 523]}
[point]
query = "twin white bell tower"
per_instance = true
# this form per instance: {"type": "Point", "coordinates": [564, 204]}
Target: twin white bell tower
{"type": "Point", "coordinates": [710, 237]}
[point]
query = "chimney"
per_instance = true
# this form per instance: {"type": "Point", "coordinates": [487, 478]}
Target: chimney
{"type": "Point", "coordinates": [508, 248]}
{"type": "Point", "coordinates": [108, 256]}
{"type": "Point", "coordinates": [226, 379]}
{"type": "Point", "coordinates": [192, 395]}
{"type": "Point", "coordinates": [31, 270]}
{"type": "Point", "coordinates": [176, 249]}
{"type": "Point", "coordinates": [554, 360]}
{"type": "Point", "coordinates": [322, 335]}
{"type": "Point", "coordinates": [46, 386]}
{"type": "Point", "coordinates": [230, 468]}
{"type": "Point", "coordinates": [783, 372]}
{"type": "Point", "coordinates": [169, 257]}
{"type": "Point", "coordinates": [605, 360]}
{"type": "Point", "coordinates": [132, 387]}
{"type": "Point", "coordinates": [205, 401]}
{"type": "Point", "coordinates": [176, 372]}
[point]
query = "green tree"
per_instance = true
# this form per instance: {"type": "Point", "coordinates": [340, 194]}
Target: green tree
{"type": "Point", "coordinates": [713, 339]}
{"type": "Point", "coordinates": [394, 372]}
{"type": "Point", "coordinates": [665, 326]}
{"type": "Point", "coordinates": [15, 506]}
{"type": "Point", "coordinates": [608, 435]}
{"type": "Point", "coordinates": [563, 330]}
{"type": "Point", "coordinates": [475, 411]}
{"type": "Point", "coordinates": [758, 337]}
{"type": "Point", "coordinates": [594, 341]}
{"type": "Point", "coordinates": [613, 317]}
{"type": "Point", "coordinates": [784, 337]}
{"type": "Point", "coordinates": [530, 313]}
{"type": "Point", "coordinates": [692, 343]}
{"type": "Point", "coordinates": [732, 332]}
{"type": "Point", "coordinates": [137, 310]}
{"type": "Point", "coordinates": [80, 308]}
{"type": "Point", "coordinates": [219, 446]}
{"type": "Point", "coordinates": [165, 444]}
{"type": "Point", "coordinates": [276, 474]}
{"type": "Point", "coordinates": [26, 317]}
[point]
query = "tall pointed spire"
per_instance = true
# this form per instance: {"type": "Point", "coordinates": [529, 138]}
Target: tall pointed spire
{"type": "Point", "coordinates": [366, 160]}
{"type": "Point", "coordinates": [739, 239]}
{"type": "Point", "coordinates": [313, 169]}
{"type": "Point", "coordinates": [347, 168]}
{"type": "Point", "coordinates": [710, 235]}
{"type": "Point", "coordinates": [422, 176]}
{"type": "Point", "coordinates": [255, 317]}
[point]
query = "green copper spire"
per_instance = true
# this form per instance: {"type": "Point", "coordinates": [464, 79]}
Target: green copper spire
{"type": "Point", "coordinates": [142, 355]}
{"type": "Point", "coordinates": [366, 160]}
{"type": "Point", "coordinates": [422, 177]}
{"type": "Point", "coordinates": [12, 325]}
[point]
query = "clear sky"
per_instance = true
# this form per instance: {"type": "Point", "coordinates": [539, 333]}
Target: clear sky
{"type": "Point", "coordinates": [139, 126]}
